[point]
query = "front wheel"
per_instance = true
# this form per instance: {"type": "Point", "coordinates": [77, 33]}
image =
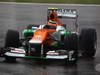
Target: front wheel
{"type": "Point", "coordinates": [11, 40]}
{"type": "Point", "coordinates": [10, 59]}
{"type": "Point", "coordinates": [88, 42]}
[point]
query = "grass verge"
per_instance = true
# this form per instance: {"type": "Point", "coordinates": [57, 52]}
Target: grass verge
{"type": "Point", "coordinates": [57, 1]}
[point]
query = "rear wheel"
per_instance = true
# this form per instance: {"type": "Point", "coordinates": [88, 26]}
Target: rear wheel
{"type": "Point", "coordinates": [71, 44]}
{"type": "Point", "coordinates": [11, 40]}
{"type": "Point", "coordinates": [88, 42]}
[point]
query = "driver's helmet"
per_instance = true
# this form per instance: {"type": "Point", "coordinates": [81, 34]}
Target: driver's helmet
{"type": "Point", "coordinates": [60, 28]}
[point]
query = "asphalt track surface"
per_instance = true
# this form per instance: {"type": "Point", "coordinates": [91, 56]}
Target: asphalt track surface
{"type": "Point", "coordinates": [17, 16]}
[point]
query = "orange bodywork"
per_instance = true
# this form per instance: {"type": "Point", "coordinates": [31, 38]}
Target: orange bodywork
{"type": "Point", "coordinates": [43, 34]}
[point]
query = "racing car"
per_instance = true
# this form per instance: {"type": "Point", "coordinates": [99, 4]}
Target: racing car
{"type": "Point", "coordinates": [53, 40]}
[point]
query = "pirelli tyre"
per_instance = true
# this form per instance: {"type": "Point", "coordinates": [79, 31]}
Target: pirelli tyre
{"type": "Point", "coordinates": [88, 42]}
{"type": "Point", "coordinates": [71, 45]}
{"type": "Point", "coordinates": [11, 40]}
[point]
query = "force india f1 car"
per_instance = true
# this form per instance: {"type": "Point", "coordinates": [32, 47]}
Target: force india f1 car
{"type": "Point", "coordinates": [53, 40]}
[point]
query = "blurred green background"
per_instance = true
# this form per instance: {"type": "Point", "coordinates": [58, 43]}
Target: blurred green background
{"type": "Point", "coordinates": [57, 1]}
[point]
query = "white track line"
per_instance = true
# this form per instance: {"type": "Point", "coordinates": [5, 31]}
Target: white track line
{"type": "Point", "coordinates": [49, 4]}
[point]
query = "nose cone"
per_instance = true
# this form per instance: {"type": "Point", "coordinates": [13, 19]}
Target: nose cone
{"type": "Point", "coordinates": [39, 37]}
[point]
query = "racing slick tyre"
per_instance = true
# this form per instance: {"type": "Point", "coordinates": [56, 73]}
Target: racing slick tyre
{"type": "Point", "coordinates": [71, 44]}
{"type": "Point", "coordinates": [10, 59]}
{"type": "Point", "coordinates": [88, 42]}
{"type": "Point", "coordinates": [11, 40]}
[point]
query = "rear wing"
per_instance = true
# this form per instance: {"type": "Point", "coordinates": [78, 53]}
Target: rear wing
{"type": "Point", "coordinates": [64, 13]}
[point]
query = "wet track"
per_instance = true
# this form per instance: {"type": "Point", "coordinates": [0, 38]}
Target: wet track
{"type": "Point", "coordinates": [17, 16]}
